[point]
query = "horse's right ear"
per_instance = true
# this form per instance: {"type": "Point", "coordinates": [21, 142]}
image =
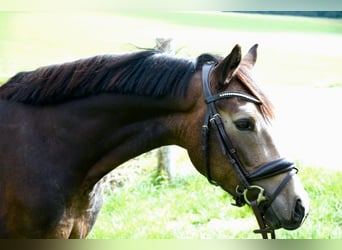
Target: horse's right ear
{"type": "Point", "coordinates": [224, 71]}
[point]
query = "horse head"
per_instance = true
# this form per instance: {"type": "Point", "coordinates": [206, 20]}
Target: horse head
{"type": "Point", "coordinates": [239, 152]}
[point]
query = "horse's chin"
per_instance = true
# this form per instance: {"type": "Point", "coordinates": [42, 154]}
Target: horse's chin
{"type": "Point", "coordinates": [274, 222]}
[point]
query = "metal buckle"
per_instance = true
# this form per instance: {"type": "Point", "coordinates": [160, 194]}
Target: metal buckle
{"type": "Point", "coordinates": [261, 197]}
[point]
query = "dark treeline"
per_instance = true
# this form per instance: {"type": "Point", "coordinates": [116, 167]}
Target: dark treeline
{"type": "Point", "coordinates": [322, 14]}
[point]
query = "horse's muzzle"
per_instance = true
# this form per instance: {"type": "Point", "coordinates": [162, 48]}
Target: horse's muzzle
{"type": "Point", "coordinates": [298, 216]}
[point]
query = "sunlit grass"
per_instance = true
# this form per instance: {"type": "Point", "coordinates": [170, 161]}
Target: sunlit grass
{"type": "Point", "coordinates": [189, 207]}
{"type": "Point", "coordinates": [292, 51]}
{"type": "Point", "coordinates": [245, 22]}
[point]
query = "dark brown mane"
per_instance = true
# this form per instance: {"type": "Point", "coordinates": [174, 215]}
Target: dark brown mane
{"type": "Point", "coordinates": [145, 73]}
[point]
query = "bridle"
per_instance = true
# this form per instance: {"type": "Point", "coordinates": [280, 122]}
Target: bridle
{"type": "Point", "coordinates": [260, 201]}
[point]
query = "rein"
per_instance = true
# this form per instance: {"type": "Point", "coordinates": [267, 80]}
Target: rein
{"type": "Point", "coordinates": [262, 201]}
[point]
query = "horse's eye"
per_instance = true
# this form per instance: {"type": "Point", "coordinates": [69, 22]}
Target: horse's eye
{"type": "Point", "coordinates": [244, 125]}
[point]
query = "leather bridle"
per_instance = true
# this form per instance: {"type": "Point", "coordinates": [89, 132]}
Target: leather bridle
{"type": "Point", "coordinates": [260, 201]}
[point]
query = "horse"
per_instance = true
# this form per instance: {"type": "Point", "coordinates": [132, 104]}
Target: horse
{"type": "Point", "coordinates": [63, 127]}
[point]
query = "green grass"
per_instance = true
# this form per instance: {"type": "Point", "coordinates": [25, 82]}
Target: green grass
{"type": "Point", "coordinates": [286, 55]}
{"type": "Point", "coordinates": [245, 22]}
{"type": "Point", "coordinates": [335, 85]}
{"type": "Point", "coordinates": [189, 207]}
{"type": "Point", "coordinates": [3, 80]}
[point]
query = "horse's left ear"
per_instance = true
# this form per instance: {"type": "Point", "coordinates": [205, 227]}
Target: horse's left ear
{"type": "Point", "coordinates": [224, 71]}
{"type": "Point", "coordinates": [250, 58]}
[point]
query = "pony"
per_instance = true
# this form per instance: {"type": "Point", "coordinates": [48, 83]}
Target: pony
{"type": "Point", "coordinates": [63, 127]}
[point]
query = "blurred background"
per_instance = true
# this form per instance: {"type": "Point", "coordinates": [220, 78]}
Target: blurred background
{"type": "Point", "coordinates": [299, 65]}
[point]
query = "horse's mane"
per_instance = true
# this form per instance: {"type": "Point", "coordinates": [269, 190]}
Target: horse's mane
{"type": "Point", "coordinates": [144, 73]}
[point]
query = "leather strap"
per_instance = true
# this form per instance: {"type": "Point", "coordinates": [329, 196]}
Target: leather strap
{"type": "Point", "coordinates": [264, 230]}
{"type": "Point", "coordinates": [213, 121]}
{"type": "Point", "coordinates": [272, 168]}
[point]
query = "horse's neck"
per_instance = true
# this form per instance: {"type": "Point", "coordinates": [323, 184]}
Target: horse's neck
{"type": "Point", "coordinates": [119, 128]}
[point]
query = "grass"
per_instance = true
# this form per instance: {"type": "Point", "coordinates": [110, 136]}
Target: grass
{"type": "Point", "coordinates": [245, 22]}
{"type": "Point", "coordinates": [293, 50]}
{"type": "Point", "coordinates": [335, 85]}
{"type": "Point", "coordinates": [190, 208]}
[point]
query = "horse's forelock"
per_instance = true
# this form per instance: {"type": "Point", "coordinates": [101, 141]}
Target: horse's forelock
{"type": "Point", "coordinates": [244, 76]}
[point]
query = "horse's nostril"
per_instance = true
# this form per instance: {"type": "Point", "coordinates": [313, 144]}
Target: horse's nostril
{"type": "Point", "coordinates": [299, 212]}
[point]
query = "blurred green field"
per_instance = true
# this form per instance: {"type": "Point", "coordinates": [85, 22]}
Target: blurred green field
{"type": "Point", "coordinates": [293, 50]}
{"type": "Point", "coordinates": [245, 22]}
{"type": "Point", "coordinates": [144, 207]}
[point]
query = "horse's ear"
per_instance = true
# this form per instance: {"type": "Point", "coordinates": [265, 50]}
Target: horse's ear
{"type": "Point", "coordinates": [250, 58]}
{"type": "Point", "coordinates": [224, 71]}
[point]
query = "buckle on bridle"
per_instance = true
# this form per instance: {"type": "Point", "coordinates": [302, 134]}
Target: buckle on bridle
{"type": "Point", "coordinates": [241, 197]}
{"type": "Point", "coordinates": [258, 201]}
{"type": "Point", "coordinates": [260, 198]}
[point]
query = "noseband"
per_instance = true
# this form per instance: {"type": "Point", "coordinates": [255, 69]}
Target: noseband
{"type": "Point", "coordinates": [260, 201]}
